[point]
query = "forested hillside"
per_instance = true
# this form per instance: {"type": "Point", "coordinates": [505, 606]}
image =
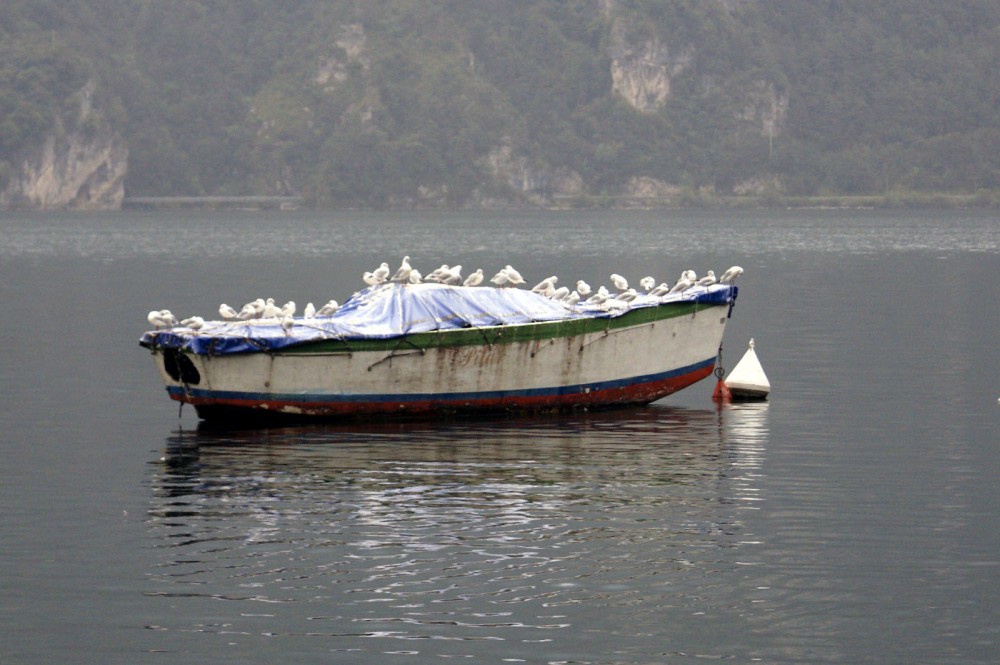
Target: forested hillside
{"type": "Point", "coordinates": [495, 102]}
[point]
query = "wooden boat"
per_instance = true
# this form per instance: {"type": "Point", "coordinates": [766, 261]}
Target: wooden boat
{"type": "Point", "coordinates": [429, 349]}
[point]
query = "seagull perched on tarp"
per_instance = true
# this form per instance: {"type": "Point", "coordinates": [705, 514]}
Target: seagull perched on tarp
{"type": "Point", "coordinates": [161, 318]}
{"type": "Point", "coordinates": [707, 280]}
{"type": "Point", "coordinates": [475, 279]}
{"type": "Point", "coordinates": [583, 289]}
{"type": "Point", "coordinates": [619, 282]}
{"type": "Point", "coordinates": [227, 313]}
{"type": "Point", "coordinates": [600, 297]}
{"type": "Point", "coordinates": [628, 295]}
{"type": "Point", "coordinates": [730, 275]}
{"type": "Point", "coordinates": [513, 276]}
{"type": "Point", "coordinates": [403, 273]}
{"type": "Point", "coordinates": [682, 284]}
{"type": "Point", "coordinates": [438, 274]}
{"type": "Point", "coordinates": [195, 323]}
{"type": "Point", "coordinates": [501, 278]}
{"type": "Point", "coordinates": [452, 276]}
{"type": "Point", "coordinates": [329, 309]}
{"type": "Point", "coordinates": [647, 283]}
{"type": "Point", "coordinates": [559, 294]}
{"type": "Point", "coordinates": [660, 289]}
{"type": "Point", "coordinates": [546, 286]}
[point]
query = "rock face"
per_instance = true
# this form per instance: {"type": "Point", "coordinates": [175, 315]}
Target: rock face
{"type": "Point", "coordinates": [537, 184]}
{"type": "Point", "coordinates": [82, 169]}
{"type": "Point", "coordinates": [641, 72]}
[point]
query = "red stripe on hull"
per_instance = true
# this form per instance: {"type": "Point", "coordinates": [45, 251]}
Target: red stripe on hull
{"type": "Point", "coordinates": [638, 393]}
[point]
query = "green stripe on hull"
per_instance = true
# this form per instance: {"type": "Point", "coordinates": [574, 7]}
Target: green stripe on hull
{"type": "Point", "coordinates": [504, 334]}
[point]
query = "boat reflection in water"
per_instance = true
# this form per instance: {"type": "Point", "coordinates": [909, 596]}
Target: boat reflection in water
{"type": "Point", "coordinates": [468, 531]}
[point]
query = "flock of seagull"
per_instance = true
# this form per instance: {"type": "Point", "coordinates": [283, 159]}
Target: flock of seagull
{"type": "Point", "coordinates": [507, 277]}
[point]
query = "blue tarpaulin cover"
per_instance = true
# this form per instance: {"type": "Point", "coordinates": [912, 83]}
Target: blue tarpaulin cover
{"type": "Point", "coordinates": [394, 310]}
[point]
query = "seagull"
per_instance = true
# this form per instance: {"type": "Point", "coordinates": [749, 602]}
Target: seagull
{"type": "Point", "coordinates": [572, 299]}
{"type": "Point", "coordinates": [619, 282]}
{"type": "Point", "coordinates": [438, 274]}
{"type": "Point", "coordinates": [546, 286]}
{"type": "Point", "coordinates": [381, 273]}
{"type": "Point", "coordinates": [414, 277]}
{"type": "Point", "coordinates": [682, 284]}
{"type": "Point", "coordinates": [329, 309]}
{"type": "Point", "coordinates": [661, 289]}
{"type": "Point", "coordinates": [583, 289]}
{"type": "Point", "coordinates": [708, 279]}
{"type": "Point", "coordinates": [370, 279]}
{"type": "Point", "coordinates": [647, 283]}
{"type": "Point", "coordinates": [501, 278]}
{"type": "Point", "coordinates": [248, 312]}
{"type": "Point", "coordinates": [288, 309]}
{"type": "Point", "coordinates": [600, 297]}
{"type": "Point", "coordinates": [271, 311]}
{"type": "Point", "coordinates": [513, 276]}
{"type": "Point", "coordinates": [558, 294]}
{"type": "Point", "coordinates": [310, 311]}
{"type": "Point", "coordinates": [475, 279]}
{"type": "Point", "coordinates": [161, 318]}
{"type": "Point", "coordinates": [287, 322]}
{"type": "Point", "coordinates": [628, 295]}
{"type": "Point", "coordinates": [258, 307]}
{"type": "Point", "coordinates": [452, 276]}
{"type": "Point", "coordinates": [227, 312]}
{"type": "Point", "coordinates": [194, 323]}
{"type": "Point", "coordinates": [730, 275]}
{"type": "Point", "coordinates": [403, 273]}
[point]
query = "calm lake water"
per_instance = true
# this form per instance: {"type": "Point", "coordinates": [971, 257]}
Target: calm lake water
{"type": "Point", "coordinates": [852, 518]}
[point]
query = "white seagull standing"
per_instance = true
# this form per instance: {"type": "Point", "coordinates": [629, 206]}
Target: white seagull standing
{"type": "Point", "coordinates": [619, 282]}
{"type": "Point", "coordinates": [501, 278]}
{"type": "Point", "coordinates": [195, 323]}
{"type": "Point", "coordinates": [546, 286]}
{"type": "Point", "coordinates": [647, 283]}
{"type": "Point", "coordinates": [730, 275]}
{"type": "Point", "coordinates": [559, 294]}
{"type": "Point", "coordinates": [682, 284]}
{"type": "Point", "coordinates": [438, 274]}
{"type": "Point", "coordinates": [628, 295]}
{"type": "Point", "coordinates": [271, 311]}
{"type": "Point", "coordinates": [310, 311]}
{"type": "Point", "coordinates": [475, 279]}
{"type": "Point", "coordinates": [513, 276]}
{"type": "Point", "coordinates": [583, 289]}
{"type": "Point", "coordinates": [452, 276]}
{"type": "Point", "coordinates": [403, 273]}
{"type": "Point", "coordinates": [329, 309]}
{"type": "Point", "coordinates": [600, 297]}
{"type": "Point", "coordinates": [708, 279]}
{"type": "Point", "coordinates": [227, 313]}
{"type": "Point", "coordinates": [381, 273]}
{"type": "Point", "coordinates": [661, 289]}
{"type": "Point", "coordinates": [161, 319]}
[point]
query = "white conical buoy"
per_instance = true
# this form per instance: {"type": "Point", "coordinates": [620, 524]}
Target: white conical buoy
{"type": "Point", "coordinates": [747, 380]}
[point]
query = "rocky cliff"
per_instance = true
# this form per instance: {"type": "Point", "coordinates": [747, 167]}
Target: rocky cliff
{"type": "Point", "coordinates": [77, 169]}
